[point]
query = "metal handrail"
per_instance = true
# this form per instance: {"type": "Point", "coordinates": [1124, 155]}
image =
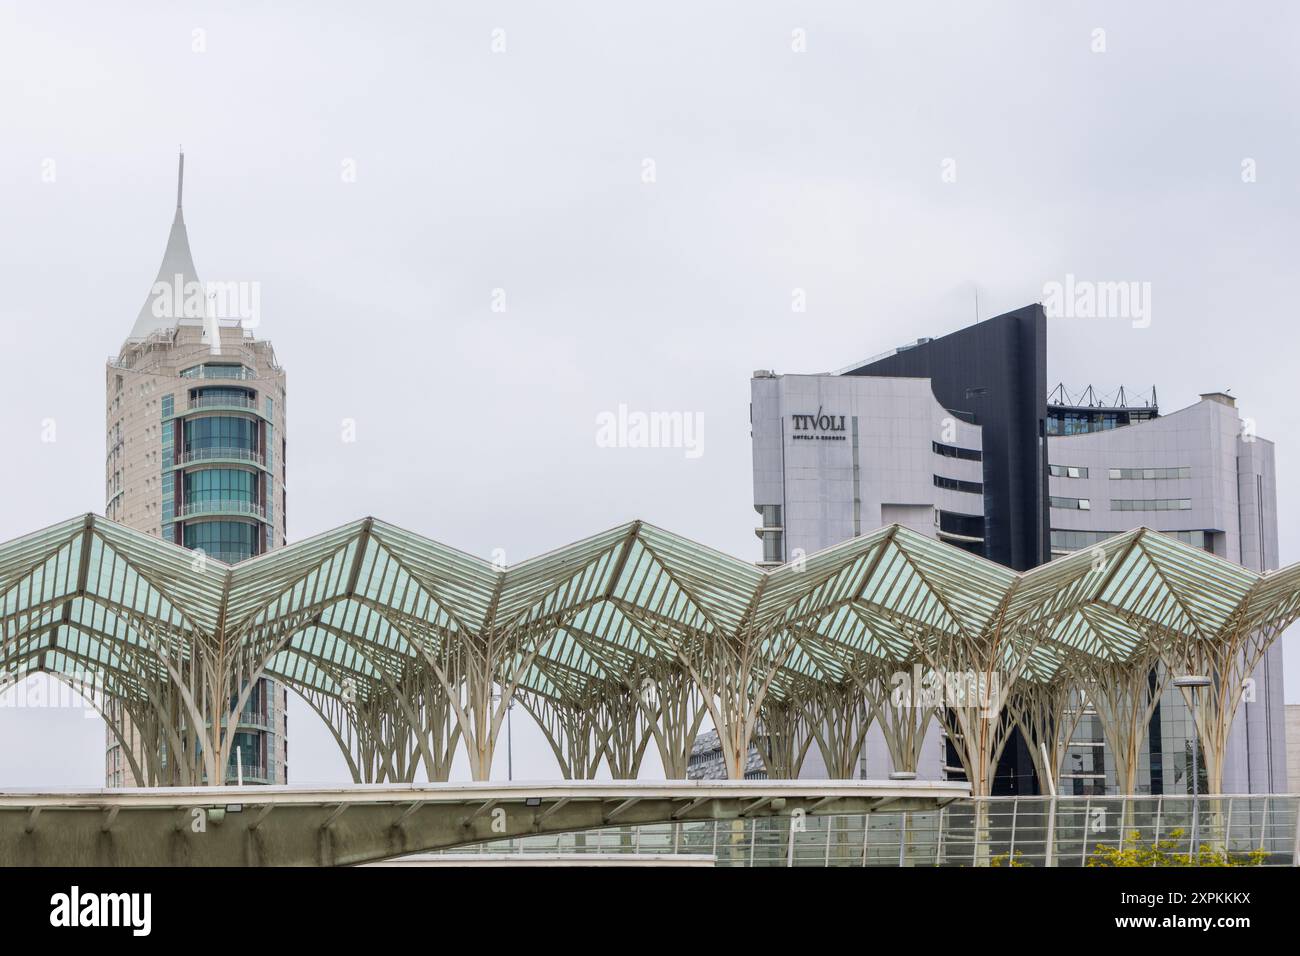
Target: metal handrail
{"type": "Point", "coordinates": [998, 831]}
{"type": "Point", "coordinates": [224, 506]}
{"type": "Point", "coordinates": [245, 375]}
{"type": "Point", "coordinates": [222, 401]}
{"type": "Point", "coordinates": [207, 454]}
{"type": "Point", "coordinates": [254, 719]}
{"type": "Point", "coordinates": [250, 770]}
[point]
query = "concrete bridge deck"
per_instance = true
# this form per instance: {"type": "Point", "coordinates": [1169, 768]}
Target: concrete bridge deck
{"type": "Point", "coordinates": [332, 826]}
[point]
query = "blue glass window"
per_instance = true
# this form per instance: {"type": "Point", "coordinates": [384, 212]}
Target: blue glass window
{"type": "Point", "coordinates": [220, 484]}
{"type": "Point", "coordinates": [220, 431]}
{"type": "Point", "coordinates": [228, 541]}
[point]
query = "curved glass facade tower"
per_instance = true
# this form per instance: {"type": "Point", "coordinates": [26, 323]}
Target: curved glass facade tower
{"type": "Point", "coordinates": [196, 456]}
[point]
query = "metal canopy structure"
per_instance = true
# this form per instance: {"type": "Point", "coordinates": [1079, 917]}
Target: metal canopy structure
{"type": "Point", "coordinates": [410, 649]}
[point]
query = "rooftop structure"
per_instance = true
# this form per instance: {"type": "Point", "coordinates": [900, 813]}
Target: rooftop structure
{"type": "Point", "coordinates": [634, 635]}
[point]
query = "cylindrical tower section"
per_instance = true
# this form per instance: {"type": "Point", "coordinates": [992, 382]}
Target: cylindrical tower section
{"type": "Point", "coordinates": [196, 455]}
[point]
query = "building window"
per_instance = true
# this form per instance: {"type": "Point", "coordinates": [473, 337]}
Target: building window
{"type": "Point", "coordinates": [1148, 474]}
{"type": "Point", "coordinates": [771, 534]}
{"type": "Point", "coordinates": [228, 541]}
{"type": "Point", "coordinates": [217, 370]}
{"type": "Point", "coordinates": [212, 485]}
{"type": "Point", "coordinates": [964, 531]}
{"type": "Point", "coordinates": [219, 395]}
{"type": "Point", "coordinates": [952, 451]}
{"type": "Point", "coordinates": [217, 432]}
{"type": "Point", "coordinates": [1151, 504]}
{"type": "Point", "coordinates": [1071, 504]}
{"type": "Point", "coordinates": [1081, 421]}
{"type": "Point", "coordinates": [1067, 471]}
{"type": "Point", "coordinates": [956, 484]}
{"type": "Point", "coordinates": [1064, 542]}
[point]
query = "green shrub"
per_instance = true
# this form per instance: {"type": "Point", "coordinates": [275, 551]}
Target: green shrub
{"type": "Point", "coordinates": [1007, 859]}
{"type": "Point", "coordinates": [1133, 852]}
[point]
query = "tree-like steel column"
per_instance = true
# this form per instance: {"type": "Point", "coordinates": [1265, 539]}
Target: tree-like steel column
{"type": "Point", "coordinates": [783, 736]}
{"type": "Point", "coordinates": [977, 672]}
{"type": "Point", "coordinates": [674, 710]}
{"type": "Point", "coordinates": [1047, 713]}
{"type": "Point", "coordinates": [437, 733]}
{"type": "Point", "coordinates": [622, 728]}
{"type": "Point", "coordinates": [839, 717]}
{"type": "Point", "coordinates": [1228, 662]}
{"type": "Point", "coordinates": [974, 689]}
{"type": "Point", "coordinates": [902, 717]}
{"type": "Point", "coordinates": [734, 672]}
{"type": "Point", "coordinates": [1125, 695]}
{"type": "Point", "coordinates": [569, 726]}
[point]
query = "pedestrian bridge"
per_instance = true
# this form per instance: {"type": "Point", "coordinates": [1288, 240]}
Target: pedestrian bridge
{"type": "Point", "coordinates": [1024, 831]}
{"type": "Point", "coordinates": [339, 826]}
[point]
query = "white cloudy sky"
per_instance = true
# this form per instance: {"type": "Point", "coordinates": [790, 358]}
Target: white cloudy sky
{"type": "Point", "coordinates": [522, 171]}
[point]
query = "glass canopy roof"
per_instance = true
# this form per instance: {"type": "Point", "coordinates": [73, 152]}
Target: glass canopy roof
{"type": "Point", "coordinates": [365, 602]}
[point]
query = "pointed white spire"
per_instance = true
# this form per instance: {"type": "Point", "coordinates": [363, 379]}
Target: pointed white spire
{"type": "Point", "coordinates": [177, 278]}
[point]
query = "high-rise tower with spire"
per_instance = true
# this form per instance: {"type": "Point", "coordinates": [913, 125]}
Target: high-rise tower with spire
{"type": "Point", "coordinates": [196, 455]}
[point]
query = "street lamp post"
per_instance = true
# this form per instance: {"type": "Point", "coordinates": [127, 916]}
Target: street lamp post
{"type": "Point", "coordinates": [1192, 682]}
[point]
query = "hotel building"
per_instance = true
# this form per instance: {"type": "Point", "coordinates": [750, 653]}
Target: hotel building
{"type": "Point", "coordinates": [956, 438]}
{"type": "Point", "coordinates": [195, 409]}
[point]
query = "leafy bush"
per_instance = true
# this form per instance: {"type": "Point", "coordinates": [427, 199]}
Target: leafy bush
{"type": "Point", "coordinates": [1007, 859]}
{"type": "Point", "coordinates": [1133, 852]}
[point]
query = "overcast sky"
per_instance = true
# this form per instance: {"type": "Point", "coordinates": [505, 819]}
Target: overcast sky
{"type": "Point", "coordinates": [383, 169]}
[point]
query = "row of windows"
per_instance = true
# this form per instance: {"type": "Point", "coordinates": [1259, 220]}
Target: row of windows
{"type": "Point", "coordinates": [773, 547]}
{"type": "Point", "coordinates": [224, 395]}
{"type": "Point", "coordinates": [1078, 471]}
{"type": "Point", "coordinates": [1076, 540]}
{"type": "Point", "coordinates": [952, 451]}
{"type": "Point", "coordinates": [1071, 504]}
{"type": "Point", "coordinates": [1125, 504]}
{"type": "Point", "coordinates": [1148, 473]}
{"type": "Point", "coordinates": [970, 526]}
{"type": "Point", "coordinates": [217, 370]}
{"type": "Point", "coordinates": [1084, 422]}
{"type": "Point", "coordinates": [220, 484]}
{"type": "Point", "coordinates": [1067, 471]}
{"type": "Point", "coordinates": [965, 526]}
{"type": "Point", "coordinates": [1151, 504]}
{"type": "Point", "coordinates": [1081, 424]}
{"type": "Point", "coordinates": [956, 484]}
{"type": "Point", "coordinates": [220, 431]}
{"type": "Point", "coordinates": [227, 541]}
{"type": "Point", "coordinates": [773, 541]}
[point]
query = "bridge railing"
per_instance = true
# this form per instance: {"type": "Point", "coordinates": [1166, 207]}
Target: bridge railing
{"type": "Point", "coordinates": [999, 831]}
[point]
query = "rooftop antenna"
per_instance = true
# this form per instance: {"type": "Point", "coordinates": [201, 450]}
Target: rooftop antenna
{"type": "Point", "coordinates": [180, 178]}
